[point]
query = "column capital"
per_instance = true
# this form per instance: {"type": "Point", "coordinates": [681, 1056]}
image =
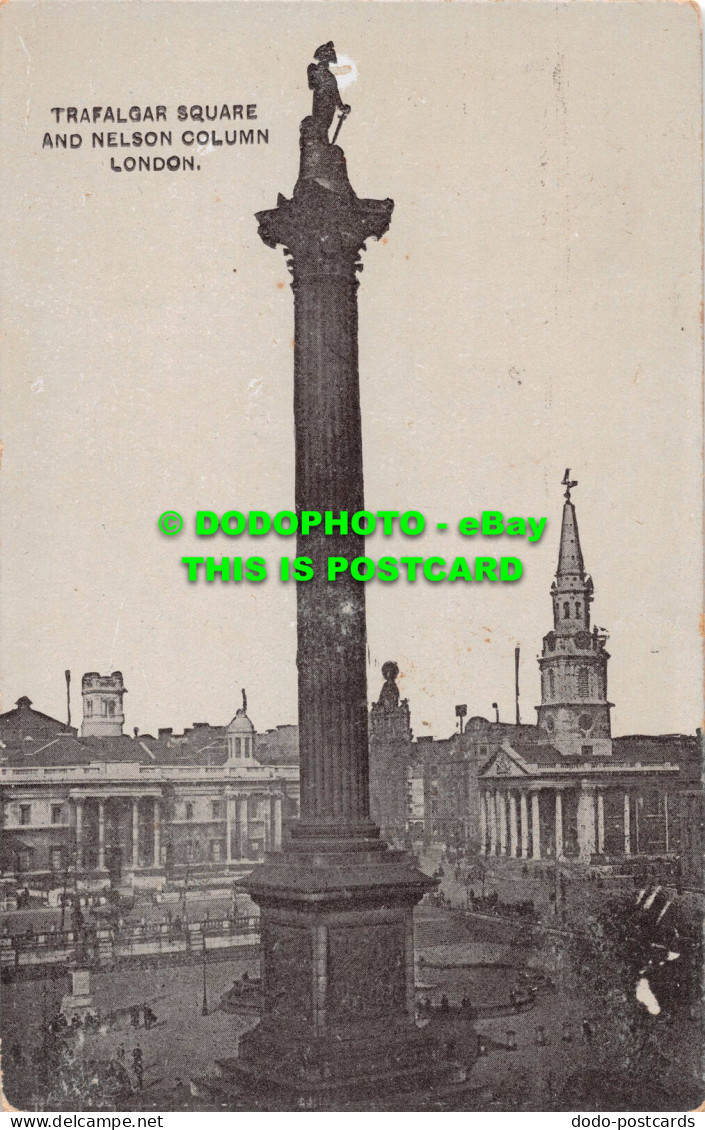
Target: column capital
{"type": "Point", "coordinates": [323, 231]}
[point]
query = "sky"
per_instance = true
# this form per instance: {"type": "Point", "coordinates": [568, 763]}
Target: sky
{"type": "Point", "coordinates": [534, 306]}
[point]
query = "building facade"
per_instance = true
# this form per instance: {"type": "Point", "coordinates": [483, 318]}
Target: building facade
{"type": "Point", "coordinates": [561, 789]}
{"type": "Point", "coordinates": [142, 810]}
{"type": "Point", "coordinates": [136, 811]}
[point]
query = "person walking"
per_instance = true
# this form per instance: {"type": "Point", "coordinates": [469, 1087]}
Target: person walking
{"type": "Point", "coordinates": [138, 1067]}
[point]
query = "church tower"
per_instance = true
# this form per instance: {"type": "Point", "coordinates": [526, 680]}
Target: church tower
{"type": "Point", "coordinates": [574, 715]}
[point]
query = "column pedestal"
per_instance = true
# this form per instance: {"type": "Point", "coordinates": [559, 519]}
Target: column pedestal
{"type": "Point", "coordinates": [338, 1013]}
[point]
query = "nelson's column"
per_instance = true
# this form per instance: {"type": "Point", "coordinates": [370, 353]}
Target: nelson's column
{"type": "Point", "coordinates": [336, 904]}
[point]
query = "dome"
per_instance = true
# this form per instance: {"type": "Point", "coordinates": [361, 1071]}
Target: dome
{"type": "Point", "coordinates": [241, 724]}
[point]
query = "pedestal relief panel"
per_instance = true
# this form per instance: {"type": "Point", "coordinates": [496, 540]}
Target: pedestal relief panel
{"type": "Point", "coordinates": [379, 948]}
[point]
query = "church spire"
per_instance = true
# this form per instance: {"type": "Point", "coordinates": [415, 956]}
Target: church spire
{"type": "Point", "coordinates": [570, 556]}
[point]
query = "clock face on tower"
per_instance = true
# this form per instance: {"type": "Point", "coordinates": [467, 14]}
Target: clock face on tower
{"type": "Point", "coordinates": [585, 722]}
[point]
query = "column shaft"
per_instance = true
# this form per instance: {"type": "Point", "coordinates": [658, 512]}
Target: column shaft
{"type": "Point", "coordinates": [331, 627]}
{"type": "Point", "coordinates": [600, 823]}
{"type": "Point", "coordinates": [244, 829]}
{"type": "Point", "coordinates": [101, 835]}
{"type": "Point", "coordinates": [586, 823]}
{"type": "Point", "coordinates": [492, 816]}
{"type": "Point", "coordinates": [228, 828]}
{"type": "Point", "coordinates": [276, 846]}
{"type": "Point", "coordinates": [502, 813]}
{"type": "Point", "coordinates": [79, 835]}
{"type": "Point", "coordinates": [513, 847]}
{"type": "Point", "coordinates": [135, 832]}
{"type": "Point", "coordinates": [483, 824]}
{"type": "Point", "coordinates": [627, 825]}
{"type": "Point", "coordinates": [535, 827]}
{"type": "Point", "coordinates": [157, 835]}
{"type": "Point", "coordinates": [524, 821]}
{"type": "Point", "coordinates": [559, 824]}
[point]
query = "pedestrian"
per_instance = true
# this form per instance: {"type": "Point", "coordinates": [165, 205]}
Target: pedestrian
{"type": "Point", "coordinates": [135, 1015]}
{"type": "Point", "coordinates": [137, 1066]}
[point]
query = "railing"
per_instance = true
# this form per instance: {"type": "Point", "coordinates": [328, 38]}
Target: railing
{"type": "Point", "coordinates": [107, 946]}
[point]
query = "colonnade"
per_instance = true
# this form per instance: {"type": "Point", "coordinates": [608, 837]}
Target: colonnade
{"type": "Point", "coordinates": [237, 819]}
{"type": "Point", "coordinates": [511, 825]}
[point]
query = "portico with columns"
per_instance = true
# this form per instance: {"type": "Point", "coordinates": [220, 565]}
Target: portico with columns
{"type": "Point", "coordinates": [531, 811]}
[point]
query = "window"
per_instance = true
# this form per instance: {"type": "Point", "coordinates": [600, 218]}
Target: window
{"type": "Point", "coordinates": [25, 814]}
{"type": "Point", "coordinates": [188, 807]}
{"type": "Point", "coordinates": [586, 750]}
{"type": "Point", "coordinates": [577, 608]}
{"type": "Point", "coordinates": [56, 813]}
{"type": "Point", "coordinates": [551, 683]}
{"type": "Point", "coordinates": [103, 706]}
{"type": "Point", "coordinates": [111, 708]}
{"type": "Point", "coordinates": [566, 610]}
{"type": "Point", "coordinates": [582, 682]}
{"type": "Point", "coordinates": [216, 809]}
{"type": "Point", "coordinates": [56, 858]}
{"type": "Point", "coordinates": [89, 707]}
{"type": "Point", "coordinates": [216, 848]}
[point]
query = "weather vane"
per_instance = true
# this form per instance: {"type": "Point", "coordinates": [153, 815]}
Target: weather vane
{"type": "Point", "coordinates": [566, 482]}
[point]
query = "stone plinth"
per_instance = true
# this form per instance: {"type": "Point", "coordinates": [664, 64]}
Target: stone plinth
{"type": "Point", "coordinates": [79, 1002]}
{"type": "Point", "coordinates": [337, 951]}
